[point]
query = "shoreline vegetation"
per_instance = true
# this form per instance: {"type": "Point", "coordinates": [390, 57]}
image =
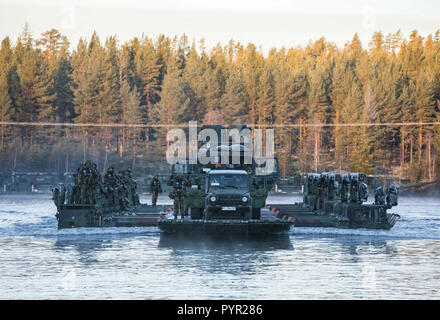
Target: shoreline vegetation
{"type": "Point", "coordinates": [326, 103]}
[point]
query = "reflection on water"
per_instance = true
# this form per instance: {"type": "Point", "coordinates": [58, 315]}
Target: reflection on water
{"type": "Point", "coordinates": [234, 255]}
{"type": "Point", "coordinates": [226, 243]}
{"type": "Point", "coordinates": [37, 261]}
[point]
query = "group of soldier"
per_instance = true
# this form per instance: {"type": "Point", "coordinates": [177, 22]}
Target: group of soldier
{"type": "Point", "coordinates": [115, 191]}
{"type": "Point", "coordinates": [345, 188]}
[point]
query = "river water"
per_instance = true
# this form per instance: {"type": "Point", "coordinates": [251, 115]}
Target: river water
{"type": "Point", "coordinates": [37, 261]}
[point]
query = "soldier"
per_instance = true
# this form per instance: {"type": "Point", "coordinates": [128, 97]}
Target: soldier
{"type": "Point", "coordinates": [363, 190]}
{"type": "Point", "coordinates": [58, 194]}
{"type": "Point", "coordinates": [309, 189]}
{"type": "Point", "coordinates": [391, 195]}
{"type": "Point", "coordinates": [110, 186]}
{"type": "Point", "coordinates": [70, 194]}
{"type": "Point", "coordinates": [337, 186]}
{"type": "Point", "coordinates": [345, 187]}
{"type": "Point", "coordinates": [80, 180]}
{"type": "Point", "coordinates": [126, 186]}
{"type": "Point", "coordinates": [155, 189]}
{"type": "Point", "coordinates": [316, 190]}
{"type": "Point", "coordinates": [331, 187]}
{"type": "Point", "coordinates": [354, 188]}
{"type": "Point", "coordinates": [94, 184]}
{"type": "Point", "coordinates": [379, 196]}
{"type": "Point", "coordinates": [178, 194]}
{"type": "Point", "coordinates": [323, 182]}
{"type": "Point", "coordinates": [133, 188]}
{"type": "Point", "coordinates": [121, 192]}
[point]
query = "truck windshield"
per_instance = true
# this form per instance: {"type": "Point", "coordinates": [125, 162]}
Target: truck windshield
{"type": "Point", "coordinates": [223, 181]}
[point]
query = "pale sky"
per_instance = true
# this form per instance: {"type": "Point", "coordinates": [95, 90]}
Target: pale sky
{"type": "Point", "coordinates": [268, 24]}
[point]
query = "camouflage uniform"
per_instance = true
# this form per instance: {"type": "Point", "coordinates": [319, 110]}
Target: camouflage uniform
{"type": "Point", "coordinates": [354, 189]}
{"type": "Point", "coordinates": [133, 196]}
{"type": "Point", "coordinates": [331, 187]}
{"type": "Point", "coordinates": [155, 189]}
{"type": "Point", "coordinates": [178, 194]}
{"type": "Point", "coordinates": [391, 195]}
{"type": "Point", "coordinates": [126, 189]}
{"type": "Point", "coordinates": [110, 185]}
{"type": "Point", "coordinates": [379, 196]}
{"type": "Point", "coordinates": [121, 191]}
{"type": "Point", "coordinates": [345, 187]}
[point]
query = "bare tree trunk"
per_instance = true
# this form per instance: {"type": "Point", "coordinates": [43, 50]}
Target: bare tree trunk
{"type": "Point", "coordinates": [134, 152]}
{"type": "Point", "coordinates": [84, 146]}
{"type": "Point", "coordinates": [420, 143]}
{"type": "Point", "coordinates": [146, 140]}
{"type": "Point", "coordinates": [121, 139]}
{"type": "Point", "coordinates": [429, 157]}
{"type": "Point", "coordinates": [3, 132]}
{"type": "Point", "coordinates": [105, 159]}
{"type": "Point", "coordinates": [317, 138]}
{"type": "Point", "coordinates": [402, 154]}
{"type": "Point", "coordinates": [316, 154]}
{"type": "Point", "coordinates": [15, 153]}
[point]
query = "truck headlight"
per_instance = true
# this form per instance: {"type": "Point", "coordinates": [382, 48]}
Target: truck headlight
{"type": "Point", "coordinates": [213, 198]}
{"type": "Point", "coordinates": [244, 199]}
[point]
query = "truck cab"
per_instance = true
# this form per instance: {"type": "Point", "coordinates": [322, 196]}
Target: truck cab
{"type": "Point", "coordinates": [228, 195]}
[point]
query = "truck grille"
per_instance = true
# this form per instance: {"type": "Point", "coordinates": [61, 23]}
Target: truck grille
{"type": "Point", "coordinates": [228, 200]}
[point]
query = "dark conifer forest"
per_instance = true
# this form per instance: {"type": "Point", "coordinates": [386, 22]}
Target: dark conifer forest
{"type": "Point", "coordinates": [366, 107]}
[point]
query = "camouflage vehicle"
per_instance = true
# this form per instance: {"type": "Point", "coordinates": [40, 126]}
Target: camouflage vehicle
{"type": "Point", "coordinates": [32, 181]}
{"type": "Point", "coordinates": [227, 196]}
{"type": "Point", "coordinates": [335, 200]}
{"type": "Point", "coordinates": [21, 182]}
{"type": "Point", "coordinates": [261, 176]}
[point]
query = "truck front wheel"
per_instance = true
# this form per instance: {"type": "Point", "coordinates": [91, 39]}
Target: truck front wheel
{"type": "Point", "coordinates": [256, 213]}
{"type": "Point", "coordinates": [196, 213]}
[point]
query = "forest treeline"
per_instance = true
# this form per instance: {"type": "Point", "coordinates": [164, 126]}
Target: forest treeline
{"type": "Point", "coordinates": [173, 80]}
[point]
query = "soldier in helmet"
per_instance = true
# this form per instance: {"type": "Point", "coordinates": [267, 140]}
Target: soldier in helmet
{"type": "Point", "coordinates": [392, 193]}
{"type": "Point", "coordinates": [121, 192]}
{"type": "Point", "coordinates": [178, 194]}
{"type": "Point", "coordinates": [133, 186]}
{"type": "Point", "coordinates": [331, 186]}
{"type": "Point", "coordinates": [345, 187]}
{"type": "Point", "coordinates": [363, 188]}
{"type": "Point", "coordinates": [354, 188]}
{"type": "Point", "coordinates": [127, 188]}
{"type": "Point", "coordinates": [379, 196]}
{"type": "Point", "coordinates": [110, 186]}
{"type": "Point", "coordinates": [94, 184]}
{"type": "Point", "coordinates": [155, 189]}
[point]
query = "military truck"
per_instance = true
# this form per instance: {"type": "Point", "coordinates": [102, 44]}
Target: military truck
{"type": "Point", "coordinates": [228, 195]}
{"type": "Point", "coordinates": [262, 175]}
{"type": "Point", "coordinates": [25, 182]}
